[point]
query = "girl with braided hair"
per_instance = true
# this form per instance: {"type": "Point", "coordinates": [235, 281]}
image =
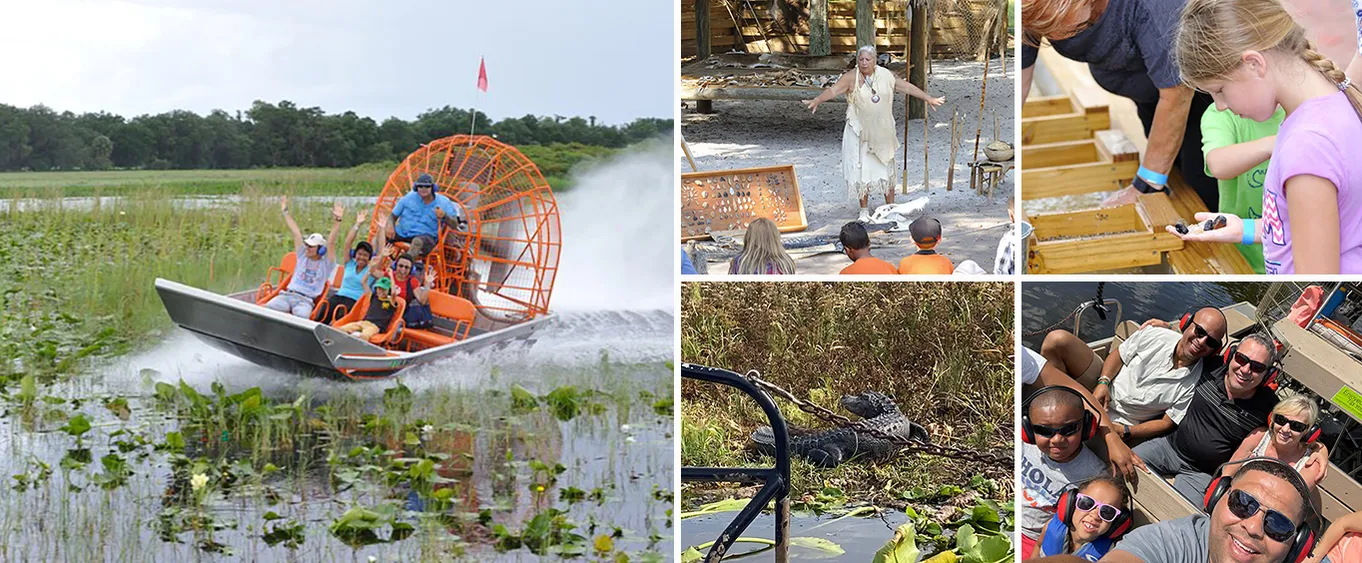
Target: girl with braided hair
{"type": "Point", "coordinates": [1252, 57]}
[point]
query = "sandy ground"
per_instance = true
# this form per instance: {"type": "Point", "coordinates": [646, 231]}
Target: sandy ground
{"type": "Point", "coordinates": [744, 134]}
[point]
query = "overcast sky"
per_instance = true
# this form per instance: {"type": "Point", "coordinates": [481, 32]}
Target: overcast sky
{"type": "Point", "coordinates": [609, 58]}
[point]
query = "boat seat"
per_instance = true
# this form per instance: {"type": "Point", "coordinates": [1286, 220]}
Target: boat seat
{"type": "Point", "coordinates": [325, 299]}
{"type": "Point", "coordinates": [389, 334]}
{"type": "Point", "coordinates": [285, 268]}
{"type": "Point", "coordinates": [450, 307]}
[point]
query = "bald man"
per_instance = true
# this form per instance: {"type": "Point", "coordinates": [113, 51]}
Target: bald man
{"type": "Point", "coordinates": [1147, 385]}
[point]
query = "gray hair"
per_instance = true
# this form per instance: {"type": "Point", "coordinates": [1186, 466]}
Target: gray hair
{"type": "Point", "coordinates": [1266, 342]}
{"type": "Point", "coordinates": [870, 48]}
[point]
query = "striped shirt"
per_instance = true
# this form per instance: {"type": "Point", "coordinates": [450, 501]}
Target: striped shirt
{"type": "Point", "coordinates": [1215, 424]}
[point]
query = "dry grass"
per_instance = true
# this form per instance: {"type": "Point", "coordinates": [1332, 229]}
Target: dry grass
{"type": "Point", "coordinates": [941, 349]}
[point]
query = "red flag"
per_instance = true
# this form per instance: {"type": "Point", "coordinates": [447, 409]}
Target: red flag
{"type": "Point", "coordinates": [482, 75]}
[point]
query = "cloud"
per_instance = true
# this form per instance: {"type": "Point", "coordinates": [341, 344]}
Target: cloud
{"type": "Point", "coordinates": [611, 59]}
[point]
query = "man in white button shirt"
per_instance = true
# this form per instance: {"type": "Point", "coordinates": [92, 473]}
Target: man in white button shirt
{"type": "Point", "coordinates": [1147, 386]}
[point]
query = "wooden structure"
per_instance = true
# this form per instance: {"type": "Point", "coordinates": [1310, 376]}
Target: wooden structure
{"type": "Point", "coordinates": [743, 30]}
{"type": "Point", "coordinates": [727, 200]}
{"type": "Point", "coordinates": [1068, 148]}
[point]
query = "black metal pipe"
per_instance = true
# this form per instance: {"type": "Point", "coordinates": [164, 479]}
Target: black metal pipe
{"type": "Point", "coordinates": [775, 480]}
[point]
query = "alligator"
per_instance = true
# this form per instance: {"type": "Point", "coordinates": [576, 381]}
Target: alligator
{"type": "Point", "coordinates": [830, 448]}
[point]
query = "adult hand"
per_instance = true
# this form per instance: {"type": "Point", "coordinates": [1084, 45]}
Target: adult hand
{"type": "Point", "coordinates": [382, 221]}
{"type": "Point", "coordinates": [1232, 232]}
{"type": "Point", "coordinates": [935, 102]}
{"type": "Point", "coordinates": [440, 213]}
{"type": "Point", "coordinates": [812, 105]}
{"type": "Point", "coordinates": [430, 275]}
{"type": "Point", "coordinates": [1123, 196]}
{"type": "Point", "coordinates": [283, 204]}
{"type": "Point", "coordinates": [360, 216]}
{"type": "Point", "coordinates": [337, 211]}
{"type": "Point", "coordinates": [1103, 395]}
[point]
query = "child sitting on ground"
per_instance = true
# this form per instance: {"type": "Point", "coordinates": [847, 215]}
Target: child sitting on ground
{"type": "Point", "coordinates": [926, 232]}
{"type": "Point", "coordinates": [1237, 152]}
{"type": "Point", "coordinates": [1053, 457]}
{"type": "Point", "coordinates": [856, 243]}
{"type": "Point", "coordinates": [382, 306]}
{"type": "Point", "coordinates": [1088, 520]}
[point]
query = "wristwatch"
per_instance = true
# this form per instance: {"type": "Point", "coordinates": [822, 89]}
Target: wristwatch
{"type": "Point", "coordinates": [1125, 433]}
{"type": "Point", "coordinates": [1147, 188]}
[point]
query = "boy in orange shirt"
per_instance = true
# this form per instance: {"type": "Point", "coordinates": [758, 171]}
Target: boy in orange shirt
{"type": "Point", "coordinates": [926, 233]}
{"type": "Point", "coordinates": [856, 243]}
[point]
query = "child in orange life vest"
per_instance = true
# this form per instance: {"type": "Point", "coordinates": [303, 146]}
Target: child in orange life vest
{"type": "Point", "coordinates": [926, 233]}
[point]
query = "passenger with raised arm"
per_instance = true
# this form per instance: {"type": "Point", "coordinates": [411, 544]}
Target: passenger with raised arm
{"type": "Point", "coordinates": [314, 265]}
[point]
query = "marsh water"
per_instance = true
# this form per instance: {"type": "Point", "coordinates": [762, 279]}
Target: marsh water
{"type": "Point", "coordinates": [555, 447]}
{"type": "Point", "coordinates": [1045, 304]}
{"type": "Point", "coordinates": [859, 537]}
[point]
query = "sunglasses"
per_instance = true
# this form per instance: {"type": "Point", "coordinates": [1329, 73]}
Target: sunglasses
{"type": "Point", "coordinates": [1047, 431]}
{"type": "Point", "coordinates": [1106, 512]}
{"type": "Point", "coordinates": [1211, 341]}
{"type": "Point", "coordinates": [404, 266]}
{"type": "Point", "coordinates": [1275, 525]}
{"type": "Point", "coordinates": [1296, 425]}
{"type": "Point", "coordinates": [1254, 365]}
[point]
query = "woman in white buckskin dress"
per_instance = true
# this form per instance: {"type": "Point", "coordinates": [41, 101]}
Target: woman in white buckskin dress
{"type": "Point", "coordinates": [869, 140]}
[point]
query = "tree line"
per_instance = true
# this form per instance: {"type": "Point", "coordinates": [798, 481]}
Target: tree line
{"type": "Point", "coordinates": [270, 135]}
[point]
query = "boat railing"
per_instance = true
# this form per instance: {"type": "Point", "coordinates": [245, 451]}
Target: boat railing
{"type": "Point", "coordinates": [775, 481]}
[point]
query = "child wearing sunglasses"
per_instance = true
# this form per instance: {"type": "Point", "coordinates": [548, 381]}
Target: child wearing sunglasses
{"type": "Point", "coordinates": [1057, 459]}
{"type": "Point", "coordinates": [1085, 530]}
{"type": "Point", "coordinates": [1288, 437]}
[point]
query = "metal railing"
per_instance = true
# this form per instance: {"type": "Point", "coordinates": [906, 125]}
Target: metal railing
{"type": "Point", "coordinates": [775, 481]}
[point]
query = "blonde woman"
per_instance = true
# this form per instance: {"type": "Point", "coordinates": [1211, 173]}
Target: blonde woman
{"type": "Point", "coordinates": [869, 140]}
{"type": "Point", "coordinates": [1290, 436]}
{"type": "Point", "coordinates": [762, 252]}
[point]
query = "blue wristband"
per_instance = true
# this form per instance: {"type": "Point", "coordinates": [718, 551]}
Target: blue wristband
{"type": "Point", "coordinates": [1152, 176]}
{"type": "Point", "coordinates": [1250, 232]}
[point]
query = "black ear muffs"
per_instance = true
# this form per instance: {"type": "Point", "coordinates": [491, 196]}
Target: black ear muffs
{"type": "Point", "coordinates": [1091, 422]}
{"type": "Point", "coordinates": [1067, 505]}
{"type": "Point", "coordinates": [1305, 537]}
{"type": "Point", "coordinates": [1269, 378]}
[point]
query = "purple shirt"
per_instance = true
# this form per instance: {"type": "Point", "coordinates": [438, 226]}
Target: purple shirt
{"type": "Point", "coordinates": [1314, 140]}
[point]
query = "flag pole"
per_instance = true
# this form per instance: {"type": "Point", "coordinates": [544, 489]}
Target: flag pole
{"type": "Point", "coordinates": [481, 86]}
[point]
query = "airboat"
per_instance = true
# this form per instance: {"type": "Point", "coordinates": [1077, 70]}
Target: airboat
{"type": "Point", "coordinates": [494, 278]}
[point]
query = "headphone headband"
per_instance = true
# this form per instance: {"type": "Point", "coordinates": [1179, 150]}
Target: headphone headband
{"type": "Point", "coordinates": [1091, 422]}
{"type": "Point", "coordinates": [1305, 537]}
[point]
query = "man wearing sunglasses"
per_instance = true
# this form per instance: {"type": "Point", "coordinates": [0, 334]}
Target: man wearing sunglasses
{"type": "Point", "coordinates": [1146, 385]}
{"type": "Point", "coordinates": [1255, 521]}
{"type": "Point", "coordinates": [1227, 405]}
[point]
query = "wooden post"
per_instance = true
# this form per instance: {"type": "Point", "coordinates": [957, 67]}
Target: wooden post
{"type": "Point", "coordinates": [917, 66]}
{"type": "Point", "coordinates": [820, 41]}
{"type": "Point", "coordinates": [702, 47]}
{"type": "Point", "coordinates": [983, 91]}
{"type": "Point", "coordinates": [865, 23]}
{"type": "Point", "coordinates": [955, 144]}
{"type": "Point", "coordinates": [924, 152]}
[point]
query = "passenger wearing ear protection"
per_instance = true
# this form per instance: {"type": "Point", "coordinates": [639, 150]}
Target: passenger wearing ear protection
{"type": "Point", "coordinates": [416, 218]}
{"type": "Point", "coordinates": [314, 265]}
{"type": "Point", "coordinates": [1054, 426]}
{"type": "Point", "coordinates": [1088, 520]}
{"type": "Point", "coordinates": [1292, 436]}
{"type": "Point", "coordinates": [1227, 405]}
{"type": "Point", "coordinates": [1259, 516]}
{"type": "Point", "coordinates": [1146, 385]}
{"type": "Point", "coordinates": [355, 270]}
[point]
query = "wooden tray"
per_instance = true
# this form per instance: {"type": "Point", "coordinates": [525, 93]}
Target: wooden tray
{"type": "Point", "coordinates": [727, 200]}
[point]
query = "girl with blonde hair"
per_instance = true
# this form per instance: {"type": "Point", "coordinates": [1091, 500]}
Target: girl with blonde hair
{"type": "Point", "coordinates": [1291, 436]}
{"type": "Point", "coordinates": [762, 252]}
{"type": "Point", "coordinates": [1251, 57]}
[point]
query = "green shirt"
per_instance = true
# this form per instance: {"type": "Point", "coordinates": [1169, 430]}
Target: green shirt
{"type": "Point", "coordinates": [1242, 196]}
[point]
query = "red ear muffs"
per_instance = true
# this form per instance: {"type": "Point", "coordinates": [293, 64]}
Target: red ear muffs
{"type": "Point", "coordinates": [1269, 379]}
{"type": "Point", "coordinates": [1186, 321]}
{"type": "Point", "coordinates": [1091, 423]}
{"type": "Point", "coordinates": [1066, 507]}
{"type": "Point", "coordinates": [1305, 535]}
{"type": "Point", "coordinates": [1310, 435]}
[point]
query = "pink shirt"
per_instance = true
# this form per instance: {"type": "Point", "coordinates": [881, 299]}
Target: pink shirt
{"type": "Point", "coordinates": [1320, 139]}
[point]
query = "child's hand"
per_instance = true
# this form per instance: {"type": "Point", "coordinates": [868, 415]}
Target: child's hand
{"type": "Point", "coordinates": [430, 275]}
{"type": "Point", "coordinates": [1232, 232]}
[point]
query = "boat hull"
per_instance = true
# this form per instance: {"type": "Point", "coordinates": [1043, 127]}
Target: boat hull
{"type": "Point", "coordinates": [281, 341]}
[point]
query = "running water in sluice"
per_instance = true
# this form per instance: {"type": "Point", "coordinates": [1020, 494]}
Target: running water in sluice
{"type": "Point", "coordinates": [555, 447]}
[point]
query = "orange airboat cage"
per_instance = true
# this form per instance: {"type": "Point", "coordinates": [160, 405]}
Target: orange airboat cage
{"type": "Point", "coordinates": [513, 234]}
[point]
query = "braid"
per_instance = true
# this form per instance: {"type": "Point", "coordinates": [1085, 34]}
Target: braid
{"type": "Point", "coordinates": [1331, 71]}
